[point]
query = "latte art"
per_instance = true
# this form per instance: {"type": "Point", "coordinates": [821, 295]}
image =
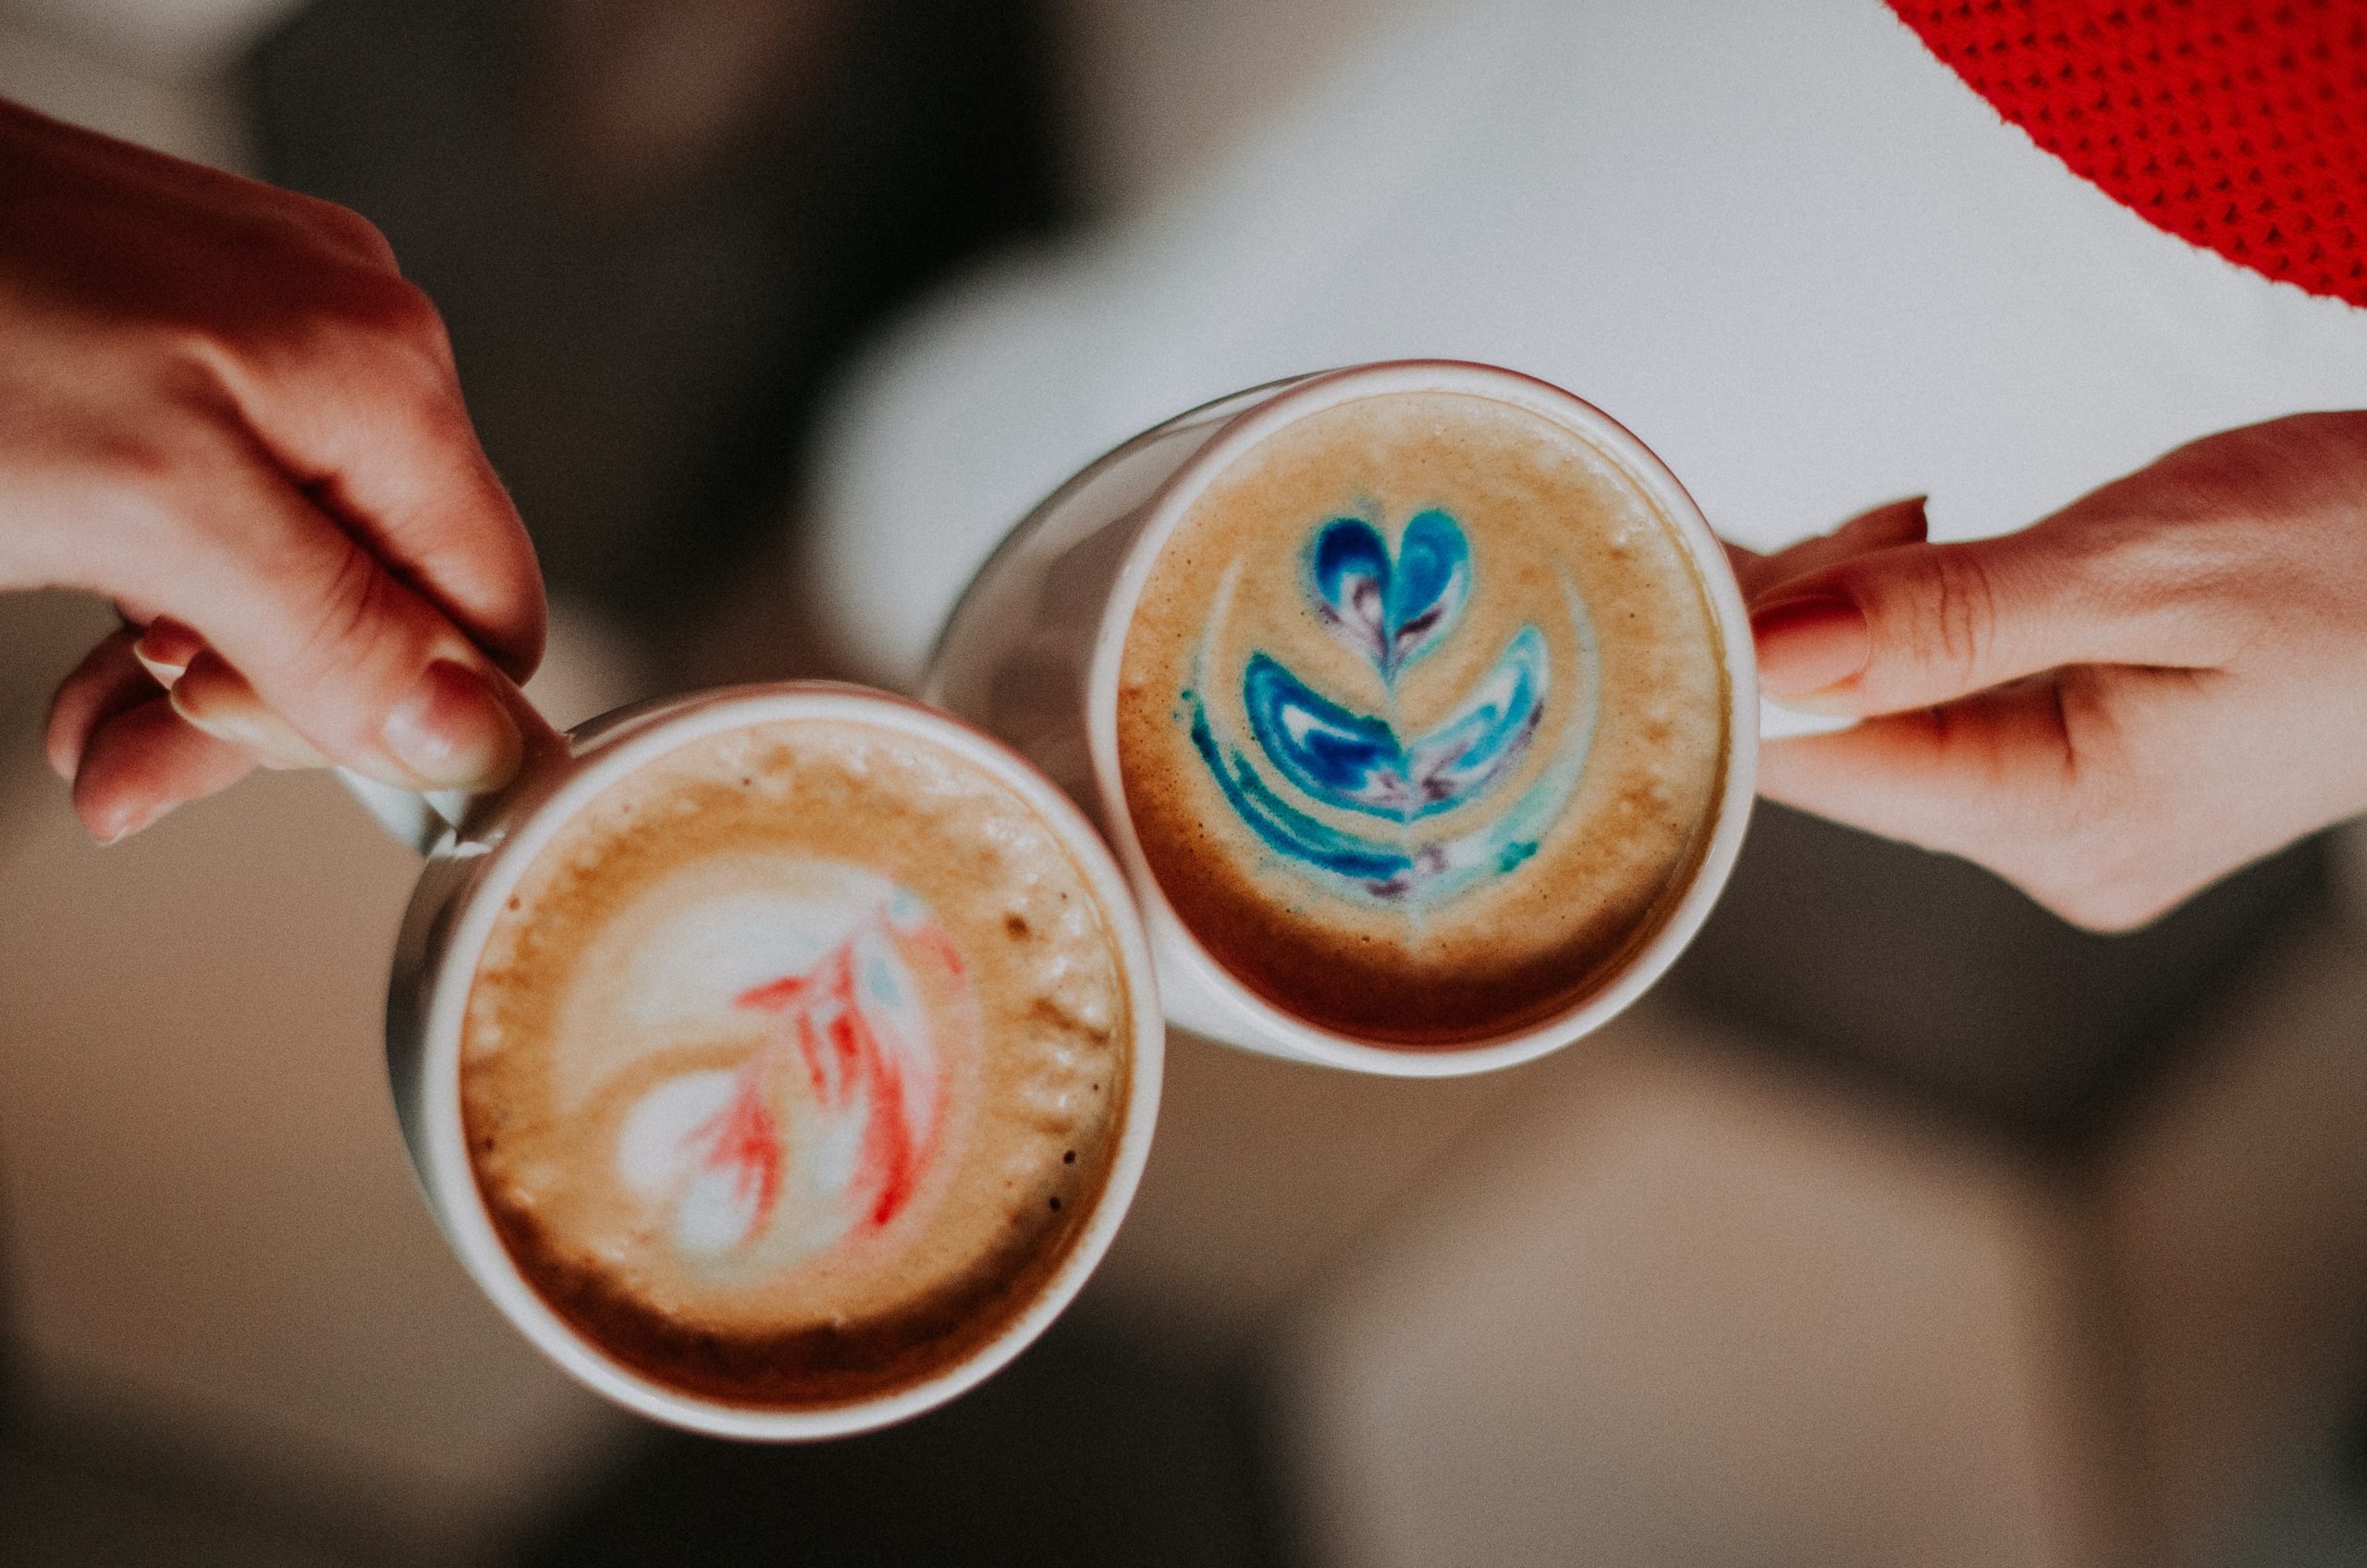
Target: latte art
{"type": "Point", "coordinates": [826, 1129]}
{"type": "Point", "coordinates": [796, 1062]}
{"type": "Point", "coordinates": [1391, 613]}
{"type": "Point", "coordinates": [1422, 718]}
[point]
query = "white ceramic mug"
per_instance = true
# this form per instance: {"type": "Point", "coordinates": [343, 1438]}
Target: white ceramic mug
{"type": "Point", "coordinates": [473, 861]}
{"type": "Point", "coordinates": [1032, 653]}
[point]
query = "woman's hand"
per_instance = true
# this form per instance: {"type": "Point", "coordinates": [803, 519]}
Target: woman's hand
{"type": "Point", "coordinates": [2159, 683]}
{"type": "Point", "coordinates": [222, 408]}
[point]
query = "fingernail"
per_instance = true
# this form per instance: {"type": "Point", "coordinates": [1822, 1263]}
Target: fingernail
{"type": "Point", "coordinates": [137, 823]}
{"type": "Point", "coordinates": [1810, 643]}
{"type": "Point", "coordinates": [257, 730]}
{"type": "Point", "coordinates": [453, 733]}
{"type": "Point", "coordinates": [1919, 511]}
{"type": "Point", "coordinates": [166, 648]}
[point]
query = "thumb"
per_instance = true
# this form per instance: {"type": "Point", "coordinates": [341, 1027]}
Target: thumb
{"type": "Point", "coordinates": [1919, 624]}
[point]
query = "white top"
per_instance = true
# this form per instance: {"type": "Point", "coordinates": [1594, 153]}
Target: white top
{"type": "Point", "coordinates": [1783, 244]}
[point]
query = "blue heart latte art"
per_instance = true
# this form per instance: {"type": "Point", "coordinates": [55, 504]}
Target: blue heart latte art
{"type": "Point", "coordinates": [1313, 768]}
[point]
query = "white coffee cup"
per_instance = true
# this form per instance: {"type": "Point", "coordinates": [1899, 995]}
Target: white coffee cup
{"type": "Point", "coordinates": [476, 851]}
{"type": "Point", "coordinates": [1032, 653]}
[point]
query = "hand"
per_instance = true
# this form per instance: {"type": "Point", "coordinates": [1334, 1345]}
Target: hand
{"type": "Point", "coordinates": [222, 408]}
{"type": "Point", "coordinates": [2159, 683]}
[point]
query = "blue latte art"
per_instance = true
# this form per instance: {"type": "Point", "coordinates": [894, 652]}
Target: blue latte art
{"type": "Point", "coordinates": [1317, 778]}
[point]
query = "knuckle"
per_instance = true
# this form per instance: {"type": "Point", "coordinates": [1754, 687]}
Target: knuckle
{"type": "Point", "coordinates": [354, 650]}
{"type": "Point", "coordinates": [352, 640]}
{"type": "Point", "coordinates": [2093, 870]}
{"type": "Point", "coordinates": [439, 416]}
{"type": "Point", "coordinates": [346, 231]}
{"type": "Point", "coordinates": [399, 308]}
{"type": "Point", "coordinates": [392, 323]}
{"type": "Point", "coordinates": [1959, 619]}
{"type": "Point", "coordinates": [2053, 867]}
{"type": "Point", "coordinates": [348, 609]}
{"type": "Point", "coordinates": [1936, 613]}
{"type": "Point", "coordinates": [339, 307]}
{"type": "Point", "coordinates": [2163, 570]}
{"type": "Point", "coordinates": [2107, 906]}
{"type": "Point", "coordinates": [395, 308]}
{"type": "Point", "coordinates": [347, 315]}
{"type": "Point", "coordinates": [371, 337]}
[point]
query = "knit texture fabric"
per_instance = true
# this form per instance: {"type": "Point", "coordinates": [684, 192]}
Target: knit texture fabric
{"type": "Point", "coordinates": [2241, 128]}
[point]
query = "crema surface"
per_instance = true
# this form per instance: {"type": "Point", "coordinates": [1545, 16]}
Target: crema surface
{"type": "Point", "coordinates": [1421, 717]}
{"type": "Point", "coordinates": [794, 1064]}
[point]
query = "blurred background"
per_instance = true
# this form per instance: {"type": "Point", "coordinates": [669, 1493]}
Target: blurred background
{"type": "Point", "coordinates": [1904, 1225]}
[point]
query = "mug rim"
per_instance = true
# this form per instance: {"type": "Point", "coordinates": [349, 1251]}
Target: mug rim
{"type": "Point", "coordinates": [617, 744]}
{"type": "Point", "coordinates": [1642, 467]}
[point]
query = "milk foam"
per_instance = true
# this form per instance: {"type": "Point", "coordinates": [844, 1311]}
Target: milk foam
{"type": "Point", "coordinates": [829, 1125]}
{"type": "Point", "coordinates": [797, 1053]}
{"type": "Point", "coordinates": [1420, 715]}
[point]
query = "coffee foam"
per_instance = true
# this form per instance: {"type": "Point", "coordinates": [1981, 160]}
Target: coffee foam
{"type": "Point", "coordinates": [795, 1064]}
{"type": "Point", "coordinates": [1422, 721]}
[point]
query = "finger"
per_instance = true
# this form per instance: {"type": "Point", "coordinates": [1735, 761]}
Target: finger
{"type": "Point", "coordinates": [1893, 522]}
{"type": "Point", "coordinates": [1949, 778]}
{"type": "Point", "coordinates": [370, 421]}
{"type": "Point", "coordinates": [416, 487]}
{"type": "Point", "coordinates": [1917, 624]}
{"type": "Point", "coordinates": [108, 680]}
{"type": "Point", "coordinates": [218, 700]}
{"type": "Point", "coordinates": [359, 665]}
{"type": "Point", "coordinates": [212, 697]}
{"type": "Point", "coordinates": [142, 763]}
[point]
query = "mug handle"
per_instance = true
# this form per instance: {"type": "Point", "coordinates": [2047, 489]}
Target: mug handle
{"type": "Point", "coordinates": [418, 821]}
{"type": "Point", "coordinates": [1777, 722]}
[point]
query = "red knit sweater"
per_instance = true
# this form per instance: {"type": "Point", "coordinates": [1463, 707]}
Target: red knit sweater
{"type": "Point", "coordinates": [2237, 124]}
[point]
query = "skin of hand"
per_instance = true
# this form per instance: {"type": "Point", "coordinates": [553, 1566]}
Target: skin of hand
{"type": "Point", "coordinates": [2161, 682]}
{"type": "Point", "coordinates": [222, 408]}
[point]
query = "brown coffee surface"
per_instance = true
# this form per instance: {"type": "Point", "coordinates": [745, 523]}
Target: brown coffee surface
{"type": "Point", "coordinates": [1422, 719]}
{"type": "Point", "coordinates": [796, 1062]}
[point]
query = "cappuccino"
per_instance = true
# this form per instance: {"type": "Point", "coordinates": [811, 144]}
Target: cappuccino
{"type": "Point", "coordinates": [795, 1064]}
{"type": "Point", "coordinates": [1422, 721]}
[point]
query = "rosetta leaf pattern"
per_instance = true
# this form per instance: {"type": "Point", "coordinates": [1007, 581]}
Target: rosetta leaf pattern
{"type": "Point", "coordinates": [1311, 759]}
{"type": "Point", "coordinates": [1358, 763]}
{"type": "Point", "coordinates": [842, 1041]}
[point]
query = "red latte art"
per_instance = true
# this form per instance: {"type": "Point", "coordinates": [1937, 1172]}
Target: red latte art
{"type": "Point", "coordinates": [858, 1062]}
{"type": "Point", "coordinates": [839, 1104]}
{"type": "Point", "coordinates": [794, 1063]}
